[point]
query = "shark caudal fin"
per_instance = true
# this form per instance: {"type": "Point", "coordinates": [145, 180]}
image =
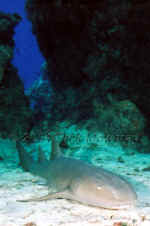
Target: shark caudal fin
{"type": "Point", "coordinates": [40, 166]}
{"type": "Point", "coordinates": [29, 164]}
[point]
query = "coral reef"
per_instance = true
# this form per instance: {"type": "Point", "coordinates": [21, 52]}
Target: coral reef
{"type": "Point", "coordinates": [78, 42]}
{"type": "Point", "coordinates": [121, 121]}
{"type": "Point", "coordinates": [94, 50]}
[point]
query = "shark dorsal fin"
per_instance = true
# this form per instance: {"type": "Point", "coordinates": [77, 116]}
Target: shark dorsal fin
{"type": "Point", "coordinates": [41, 156]}
{"type": "Point", "coordinates": [55, 149]}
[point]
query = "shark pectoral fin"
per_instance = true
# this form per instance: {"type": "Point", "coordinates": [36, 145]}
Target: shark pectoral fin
{"type": "Point", "coordinates": [55, 195]}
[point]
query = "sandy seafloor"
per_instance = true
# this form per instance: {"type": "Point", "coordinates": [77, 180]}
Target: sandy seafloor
{"type": "Point", "coordinates": [16, 184]}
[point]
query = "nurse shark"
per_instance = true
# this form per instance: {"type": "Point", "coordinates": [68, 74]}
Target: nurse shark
{"type": "Point", "coordinates": [74, 179]}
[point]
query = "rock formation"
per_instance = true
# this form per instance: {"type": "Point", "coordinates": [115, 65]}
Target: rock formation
{"type": "Point", "coordinates": [14, 107]}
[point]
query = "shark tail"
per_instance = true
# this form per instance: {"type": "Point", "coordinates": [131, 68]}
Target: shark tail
{"type": "Point", "coordinates": [29, 164]}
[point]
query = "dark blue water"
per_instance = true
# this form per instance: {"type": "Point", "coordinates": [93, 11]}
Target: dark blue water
{"type": "Point", "coordinates": [27, 57]}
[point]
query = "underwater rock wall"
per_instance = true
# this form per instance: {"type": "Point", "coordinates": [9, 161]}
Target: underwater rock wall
{"type": "Point", "coordinates": [93, 47]}
{"type": "Point", "coordinates": [14, 107]}
{"type": "Point", "coordinates": [95, 51]}
{"type": "Point", "coordinates": [82, 43]}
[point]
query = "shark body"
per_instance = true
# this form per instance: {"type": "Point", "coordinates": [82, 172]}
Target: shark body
{"type": "Point", "coordinates": [76, 180]}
